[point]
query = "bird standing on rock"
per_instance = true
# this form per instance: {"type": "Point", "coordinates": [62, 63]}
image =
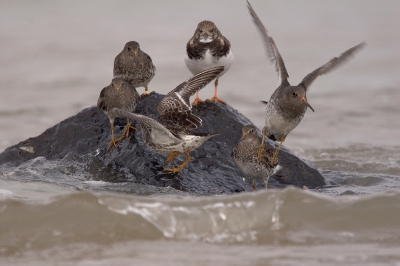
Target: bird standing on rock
{"type": "Point", "coordinates": [173, 135]}
{"type": "Point", "coordinates": [135, 66]}
{"type": "Point", "coordinates": [288, 104]}
{"type": "Point", "coordinates": [208, 48]}
{"type": "Point", "coordinates": [119, 94]}
{"type": "Point", "coordinates": [245, 156]}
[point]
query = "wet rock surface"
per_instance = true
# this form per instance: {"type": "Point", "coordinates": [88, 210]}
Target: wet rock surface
{"type": "Point", "coordinates": [85, 137]}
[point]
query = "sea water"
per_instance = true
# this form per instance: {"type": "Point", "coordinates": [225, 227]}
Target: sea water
{"type": "Point", "coordinates": [57, 56]}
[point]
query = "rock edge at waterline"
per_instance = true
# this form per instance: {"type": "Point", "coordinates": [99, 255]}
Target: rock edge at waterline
{"type": "Point", "coordinates": [85, 136]}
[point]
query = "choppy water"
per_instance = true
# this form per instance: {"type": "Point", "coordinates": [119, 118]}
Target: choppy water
{"type": "Point", "coordinates": [57, 56]}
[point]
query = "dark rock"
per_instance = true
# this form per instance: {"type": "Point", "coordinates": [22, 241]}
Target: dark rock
{"type": "Point", "coordinates": [86, 135]}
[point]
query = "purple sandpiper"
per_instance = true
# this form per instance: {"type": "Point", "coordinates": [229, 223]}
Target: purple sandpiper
{"type": "Point", "coordinates": [134, 66]}
{"type": "Point", "coordinates": [245, 156]}
{"type": "Point", "coordinates": [119, 94]}
{"type": "Point", "coordinates": [288, 104]}
{"type": "Point", "coordinates": [173, 135]}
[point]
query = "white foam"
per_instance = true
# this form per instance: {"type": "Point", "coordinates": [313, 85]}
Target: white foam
{"type": "Point", "coordinates": [5, 192]}
{"type": "Point", "coordinates": [96, 183]}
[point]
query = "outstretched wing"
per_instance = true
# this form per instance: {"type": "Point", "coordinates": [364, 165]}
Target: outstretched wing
{"type": "Point", "coordinates": [148, 124]}
{"type": "Point", "coordinates": [197, 82]}
{"type": "Point", "coordinates": [175, 109]}
{"type": "Point", "coordinates": [270, 46]}
{"type": "Point", "coordinates": [332, 64]}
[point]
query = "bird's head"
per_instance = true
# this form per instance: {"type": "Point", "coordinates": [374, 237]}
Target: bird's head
{"type": "Point", "coordinates": [132, 48]}
{"type": "Point", "coordinates": [118, 83]}
{"type": "Point", "coordinates": [206, 31]}
{"type": "Point", "coordinates": [296, 96]}
{"type": "Point", "coordinates": [249, 132]}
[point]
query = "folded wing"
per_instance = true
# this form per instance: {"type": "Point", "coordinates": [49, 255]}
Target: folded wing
{"type": "Point", "coordinates": [148, 124]}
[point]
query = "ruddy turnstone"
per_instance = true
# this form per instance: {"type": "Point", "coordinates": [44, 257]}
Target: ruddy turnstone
{"type": "Point", "coordinates": [245, 156]}
{"type": "Point", "coordinates": [135, 66]}
{"type": "Point", "coordinates": [172, 135]}
{"type": "Point", "coordinates": [208, 48]}
{"type": "Point", "coordinates": [119, 94]}
{"type": "Point", "coordinates": [288, 104]}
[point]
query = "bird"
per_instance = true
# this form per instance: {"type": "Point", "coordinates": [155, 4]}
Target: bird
{"type": "Point", "coordinates": [173, 134]}
{"type": "Point", "coordinates": [208, 48]}
{"type": "Point", "coordinates": [135, 66]}
{"type": "Point", "coordinates": [288, 104]}
{"type": "Point", "coordinates": [119, 94]}
{"type": "Point", "coordinates": [245, 156]}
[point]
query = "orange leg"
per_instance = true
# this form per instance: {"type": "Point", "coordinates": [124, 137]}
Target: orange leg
{"type": "Point", "coordinates": [172, 156]}
{"type": "Point", "coordinates": [277, 151]}
{"type": "Point", "coordinates": [197, 100]}
{"type": "Point", "coordinates": [215, 98]}
{"type": "Point", "coordinates": [260, 150]}
{"type": "Point", "coordinates": [146, 92]}
{"type": "Point", "coordinates": [125, 134]}
{"type": "Point", "coordinates": [113, 140]}
{"type": "Point", "coordinates": [177, 169]}
{"type": "Point", "coordinates": [253, 185]}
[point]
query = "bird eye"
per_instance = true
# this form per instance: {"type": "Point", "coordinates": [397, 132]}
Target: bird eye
{"type": "Point", "coordinates": [294, 94]}
{"type": "Point", "coordinates": [129, 48]}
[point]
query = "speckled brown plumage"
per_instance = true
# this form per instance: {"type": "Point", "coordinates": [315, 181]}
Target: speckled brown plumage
{"type": "Point", "coordinates": [172, 135]}
{"type": "Point", "coordinates": [135, 66]}
{"type": "Point", "coordinates": [245, 156]}
{"type": "Point", "coordinates": [119, 94]}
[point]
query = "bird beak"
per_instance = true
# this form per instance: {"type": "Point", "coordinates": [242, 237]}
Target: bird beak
{"type": "Point", "coordinates": [304, 100]}
{"type": "Point", "coordinates": [117, 88]}
{"type": "Point", "coordinates": [243, 136]}
{"type": "Point", "coordinates": [135, 52]}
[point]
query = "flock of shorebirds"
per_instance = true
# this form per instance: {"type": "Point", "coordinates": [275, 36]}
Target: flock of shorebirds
{"type": "Point", "coordinates": [209, 56]}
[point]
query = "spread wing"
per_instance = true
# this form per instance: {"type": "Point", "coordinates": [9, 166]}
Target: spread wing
{"type": "Point", "coordinates": [148, 124]}
{"type": "Point", "coordinates": [332, 64]}
{"type": "Point", "coordinates": [270, 46]}
{"type": "Point", "coordinates": [175, 109]}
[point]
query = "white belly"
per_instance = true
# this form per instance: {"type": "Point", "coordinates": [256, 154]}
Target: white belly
{"type": "Point", "coordinates": [168, 145]}
{"type": "Point", "coordinates": [276, 124]}
{"type": "Point", "coordinates": [197, 65]}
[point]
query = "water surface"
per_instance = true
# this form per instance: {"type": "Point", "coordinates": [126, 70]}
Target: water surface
{"type": "Point", "coordinates": [57, 56]}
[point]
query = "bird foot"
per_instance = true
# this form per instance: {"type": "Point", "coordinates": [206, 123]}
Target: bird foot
{"type": "Point", "coordinates": [173, 169]}
{"type": "Point", "coordinates": [197, 101]}
{"type": "Point", "coordinates": [146, 93]}
{"type": "Point", "coordinates": [217, 100]}
{"type": "Point", "coordinates": [113, 142]}
{"type": "Point", "coordinates": [125, 133]}
{"type": "Point", "coordinates": [127, 130]}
